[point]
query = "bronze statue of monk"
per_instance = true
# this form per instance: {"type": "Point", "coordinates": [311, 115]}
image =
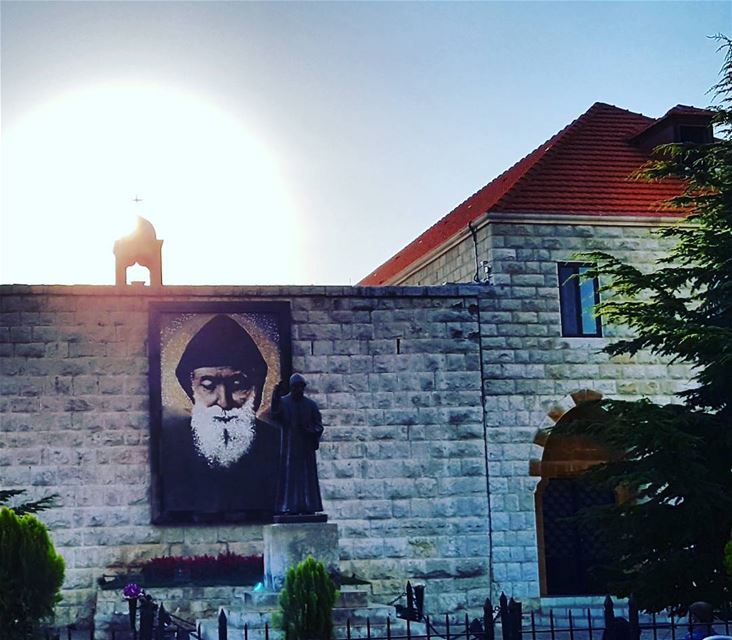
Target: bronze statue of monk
{"type": "Point", "coordinates": [298, 491]}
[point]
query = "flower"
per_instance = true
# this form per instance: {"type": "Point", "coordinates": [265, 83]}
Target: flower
{"type": "Point", "coordinates": [132, 591]}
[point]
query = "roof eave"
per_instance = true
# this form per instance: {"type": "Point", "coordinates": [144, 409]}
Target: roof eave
{"type": "Point", "coordinates": [528, 217]}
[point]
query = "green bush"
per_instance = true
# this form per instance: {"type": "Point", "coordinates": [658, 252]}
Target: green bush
{"type": "Point", "coordinates": [31, 574]}
{"type": "Point", "coordinates": [306, 602]}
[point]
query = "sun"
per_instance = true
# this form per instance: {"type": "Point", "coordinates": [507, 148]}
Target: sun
{"type": "Point", "coordinates": [212, 188]}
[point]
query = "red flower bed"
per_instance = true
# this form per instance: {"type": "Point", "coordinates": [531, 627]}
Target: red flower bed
{"type": "Point", "coordinates": [226, 568]}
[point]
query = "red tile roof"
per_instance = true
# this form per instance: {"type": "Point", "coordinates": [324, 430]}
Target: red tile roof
{"type": "Point", "coordinates": [685, 109]}
{"type": "Point", "coordinates": [584, 170]}
{"type": "Point", "coordinates": [693, 115]}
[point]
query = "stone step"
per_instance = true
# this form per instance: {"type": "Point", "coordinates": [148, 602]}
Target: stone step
{"type": "Point", "coordinates": [353, 600]}
{"type": "Point", "coordinates": [256, 621]}
{"type": "Point", "coordinates": [258, 618]}
{"type": "Point", "coordinates": [259, 600]}
{"type": "Point", "coordinates": [560, 616]}
{"type": "Point", "coordinates": [376, 615]}
{"type": "Point", "coordinates": [349, 597]}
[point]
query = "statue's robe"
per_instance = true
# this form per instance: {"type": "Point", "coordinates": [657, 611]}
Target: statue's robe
{"type": "Point", "coordinates": [298, 490]}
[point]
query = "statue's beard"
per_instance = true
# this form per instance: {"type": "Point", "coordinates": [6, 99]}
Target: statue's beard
{"type": "Point", "coordinates": [223, 437]}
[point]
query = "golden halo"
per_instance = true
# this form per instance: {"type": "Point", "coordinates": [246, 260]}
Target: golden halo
{"type": "Point", "coordinates": [176, 331]}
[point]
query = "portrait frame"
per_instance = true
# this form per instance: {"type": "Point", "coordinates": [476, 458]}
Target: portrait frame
{"type": "Point", "coordinates": [180, 474]}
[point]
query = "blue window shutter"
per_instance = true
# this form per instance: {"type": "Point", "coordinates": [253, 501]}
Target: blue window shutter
{"type": "Point", "coordinates": [577, 298]}
{"type": "Point", "coordinates": [568, 300]}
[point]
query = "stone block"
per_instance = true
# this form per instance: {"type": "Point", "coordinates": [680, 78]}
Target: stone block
{"type": "Point", "coordinates": [287, 544]}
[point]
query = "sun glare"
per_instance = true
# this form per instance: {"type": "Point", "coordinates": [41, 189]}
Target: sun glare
{"type": "Point", "coordinates": [211, 188]}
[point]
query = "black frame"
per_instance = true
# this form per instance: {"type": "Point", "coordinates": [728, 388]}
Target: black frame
{"type": "Point", "coordinates": [278, 313]}
{"type": "Point", "coordinates": [570, 300]}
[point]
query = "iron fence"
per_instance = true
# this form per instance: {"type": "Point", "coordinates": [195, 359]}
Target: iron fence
{"type": "Point", "coordinates": [507, 621]}
{"type": "Point", "coordinates": [147, 621]}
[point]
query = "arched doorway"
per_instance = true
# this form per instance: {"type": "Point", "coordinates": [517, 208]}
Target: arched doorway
{"type": "Point", "coordinates": [568, 549]}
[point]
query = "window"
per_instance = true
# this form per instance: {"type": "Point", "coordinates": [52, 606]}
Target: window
{"type": "Point", "coordinates": [577, 297]}
{"type": "Point", "coordinates": [697, 134]}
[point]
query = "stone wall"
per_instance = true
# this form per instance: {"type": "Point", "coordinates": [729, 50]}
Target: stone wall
{"type": "Point", "coordinates": [402, 465]}
{"type": "Point", "coordinates": [530, 370]}
{"type": "Point", "coordinates": [457, 264]}
{"type": "Point", "coordinates": [432, 398]}
{"type": "Point", "coordinates": [517, 248]}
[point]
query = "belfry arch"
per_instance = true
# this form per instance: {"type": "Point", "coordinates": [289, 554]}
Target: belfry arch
{"type": "Point", "coordinates": [566, 549]}
{"type": "Point", "coordinates": [140, 247]}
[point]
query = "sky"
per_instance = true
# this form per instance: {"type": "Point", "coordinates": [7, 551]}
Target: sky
{"type": "Point", "coordinates": [300, 142]}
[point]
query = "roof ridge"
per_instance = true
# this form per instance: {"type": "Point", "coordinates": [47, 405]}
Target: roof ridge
{"type": "Point", "coordinates": [687, 108]}
{"type": "Point", "coordinates": [617, 108]}
{"type": "Point", "coordinates": [464, 207]}
{"type": "Point", "coordinates": [516, 186]}
{"type": "Point", "coordinates": [547, 143]}
{"type": "Point", "coordinates": [552, 144]}
{"type": "Point", "coordinates": [497, 179]}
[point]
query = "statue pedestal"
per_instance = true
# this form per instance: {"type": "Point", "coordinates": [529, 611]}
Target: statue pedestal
{"type": "Point", "coordinates": [287, 544]}
{"type": "Point", "coordinates": [283, 518]}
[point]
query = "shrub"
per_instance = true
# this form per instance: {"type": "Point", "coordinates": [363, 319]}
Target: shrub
{"type": "Point", "coordinates": [306, 602]}
{"type": "Point", "coordinates": [31, 574]}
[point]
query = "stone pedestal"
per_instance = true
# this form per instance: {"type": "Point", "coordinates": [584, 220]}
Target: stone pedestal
{"type": "Point", "coordinates": [287, 544]}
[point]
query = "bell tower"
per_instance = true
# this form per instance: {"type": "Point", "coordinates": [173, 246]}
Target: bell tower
{"type": "Point", "coordinates": [140, 247]}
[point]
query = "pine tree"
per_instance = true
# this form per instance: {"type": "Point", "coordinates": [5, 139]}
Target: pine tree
{"type": "Point", "coordinates": [675, 461]}
{"type": "Point", "coordinates": [8, 499]}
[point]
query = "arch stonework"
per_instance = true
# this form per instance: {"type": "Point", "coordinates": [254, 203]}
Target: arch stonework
{"type": "Point", "coordinates": [565, 455]}
{"type": "Point", "coordinates": [561, 457]}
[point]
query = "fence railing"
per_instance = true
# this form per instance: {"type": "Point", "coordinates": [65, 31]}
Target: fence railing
{"type": "Point", "coordinates": [581, 624]}
{"type": "Point", "coordinates": [147, 621]}
{"type": "Point", "coordinates": [507, 621]}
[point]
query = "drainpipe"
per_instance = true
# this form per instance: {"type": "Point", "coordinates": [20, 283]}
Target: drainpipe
{"type": "Point", "coordinates": [476, 277]}
{"type": "Point", "coordinates": [478, 280]}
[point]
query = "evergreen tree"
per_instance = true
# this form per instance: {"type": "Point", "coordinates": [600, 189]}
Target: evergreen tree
{"type": "Point", "coordinates": [675, 462]}
{"type": "Point", "coordinates": [306, 602]}
{"type": "Point", "coordinates": [31, 575]}
{"type": "Point", "coordinates": [8, 499]}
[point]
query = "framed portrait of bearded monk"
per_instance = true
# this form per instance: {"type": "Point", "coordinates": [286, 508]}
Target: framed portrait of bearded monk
{"type": "Point", "coordinates": [214, 447]}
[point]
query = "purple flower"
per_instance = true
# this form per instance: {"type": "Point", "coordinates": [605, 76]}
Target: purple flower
{"type": "Point", "coordinates": [132, 591]}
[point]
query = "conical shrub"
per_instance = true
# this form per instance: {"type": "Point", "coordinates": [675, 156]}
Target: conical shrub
{"type": "Point", "coordinates": [306, 602]}
{"type": "Point", "coordinates": [31, 575]}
